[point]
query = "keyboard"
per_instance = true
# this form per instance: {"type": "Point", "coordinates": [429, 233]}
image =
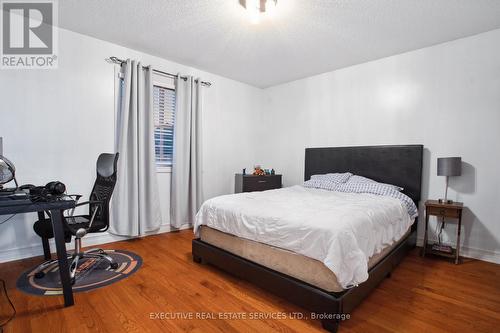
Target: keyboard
{"type": "Point", "coordinates": [14, 198]}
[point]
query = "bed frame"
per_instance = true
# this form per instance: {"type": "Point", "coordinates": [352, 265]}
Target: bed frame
{"type": "Point", "coordinates": [398, 165]}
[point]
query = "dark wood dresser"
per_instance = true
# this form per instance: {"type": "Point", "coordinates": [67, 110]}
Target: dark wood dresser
{"type": "Point", "coordinates": [250, 183]}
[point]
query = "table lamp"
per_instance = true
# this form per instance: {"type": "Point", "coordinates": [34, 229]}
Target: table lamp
{"type": "Point", "coordinates": [448, 167]}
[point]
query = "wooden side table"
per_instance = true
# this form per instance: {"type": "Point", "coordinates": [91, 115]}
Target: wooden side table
{"type": "Point", "coordinates": [453, 210]}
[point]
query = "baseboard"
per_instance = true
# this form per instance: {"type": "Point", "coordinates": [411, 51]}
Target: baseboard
{"type": "Point", "coordinates": [90, 240]}
{"type": "Point", "coordinates": [96, 239]}
{"type": "Point", "coordinates": [470, 252]}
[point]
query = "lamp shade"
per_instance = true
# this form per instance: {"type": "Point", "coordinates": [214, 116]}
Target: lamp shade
{"type": "Point", "coordinates": [449, 166]}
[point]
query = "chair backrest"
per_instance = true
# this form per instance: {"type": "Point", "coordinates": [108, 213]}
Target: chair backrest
{"type": "Point", "coordinates": [104, 186]}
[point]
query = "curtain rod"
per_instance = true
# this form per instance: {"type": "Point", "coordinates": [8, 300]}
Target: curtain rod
{"type": "Point", "coordinates": [119, 61]}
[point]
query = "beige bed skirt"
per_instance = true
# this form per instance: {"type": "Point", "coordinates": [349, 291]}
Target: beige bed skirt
{"type": "Point", "coordinates": [287, 262]}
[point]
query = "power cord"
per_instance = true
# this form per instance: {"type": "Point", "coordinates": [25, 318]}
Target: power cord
{"type": "Point", "coordinates": [438, 230]}
{"type": "Point", "coordinates": [2, 325]}
{"type": "Point", "coordinates": [441, 231]}
{"type": "Point", "coordinates": [33, 199]}
{"type": "Point", "coordinates": [7, 219]}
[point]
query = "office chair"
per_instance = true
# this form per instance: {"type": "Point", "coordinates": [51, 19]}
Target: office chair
{"type": "Point", "coordinates": [97, 219]}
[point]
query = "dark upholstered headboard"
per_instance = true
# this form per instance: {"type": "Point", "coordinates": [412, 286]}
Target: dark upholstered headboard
{"type": "Point", "coordinates": [397, 165]}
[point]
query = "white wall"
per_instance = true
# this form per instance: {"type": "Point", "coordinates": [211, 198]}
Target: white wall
{"type": "Point", "coordinates": [446, 97]}
{"type": "Point", "coordinates": [56, 122]}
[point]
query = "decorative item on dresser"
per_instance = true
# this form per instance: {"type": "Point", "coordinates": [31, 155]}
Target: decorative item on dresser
{"type": "Point", "coordinates": [443, 210]}
{"type": "Point", "coordinates": [250, 183]}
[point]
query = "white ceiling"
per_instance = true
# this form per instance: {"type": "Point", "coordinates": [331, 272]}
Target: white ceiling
{"type": "Point", "coordinates": [305, 37]}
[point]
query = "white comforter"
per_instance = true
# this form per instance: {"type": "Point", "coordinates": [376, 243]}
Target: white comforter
{"type": "Point", "coordinates": [342, 230]}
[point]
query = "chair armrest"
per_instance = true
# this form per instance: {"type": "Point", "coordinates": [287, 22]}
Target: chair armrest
{"type": "Point", "coordinates": [76, 196]}
{"type": "Point", "coordinates": [72, 210]}
{"type": "Point", "coordinates": [88, 203]}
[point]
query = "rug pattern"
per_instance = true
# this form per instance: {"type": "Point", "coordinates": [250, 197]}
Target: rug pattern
{"type": "Point", "coordinates": [91, 274]}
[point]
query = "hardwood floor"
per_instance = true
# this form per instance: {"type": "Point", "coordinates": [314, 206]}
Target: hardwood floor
{"type": "Point", "coordinates": [423, 295]}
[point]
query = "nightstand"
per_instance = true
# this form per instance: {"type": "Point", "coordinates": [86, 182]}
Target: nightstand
{"type": "Point", "coordinates": [250, 183]}
{"type": "Point", "coordinates": [442, 210]}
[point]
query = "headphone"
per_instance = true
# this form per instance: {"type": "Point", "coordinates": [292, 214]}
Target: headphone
{"type": "Point", "coordinates": [52, 189]}
{"type": "Point", "coordinates": [55, 188]}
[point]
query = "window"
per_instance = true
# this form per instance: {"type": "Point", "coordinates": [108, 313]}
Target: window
{"type": "Point", "coordinates": [164, 115]}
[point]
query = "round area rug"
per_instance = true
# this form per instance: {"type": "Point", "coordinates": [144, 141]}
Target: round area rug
{"type": "Point", "coordinates": [91, 274]}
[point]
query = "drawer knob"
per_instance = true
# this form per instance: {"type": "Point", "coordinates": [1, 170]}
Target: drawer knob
{"type": "Point", "coordinates": [442, 212]}
{"type": "Point", "coordinates": [262, 181]}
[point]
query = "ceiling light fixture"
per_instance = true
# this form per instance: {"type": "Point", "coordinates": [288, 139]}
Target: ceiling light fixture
{"type": "Point", "coordinates": [256, 8]}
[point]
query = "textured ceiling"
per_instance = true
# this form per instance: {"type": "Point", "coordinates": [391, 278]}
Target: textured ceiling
{"type": "Point", "coordinates": [303, 38]}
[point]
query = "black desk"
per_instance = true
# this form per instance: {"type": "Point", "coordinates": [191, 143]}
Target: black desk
{"type": "Point", "coordinates": [56, 209]}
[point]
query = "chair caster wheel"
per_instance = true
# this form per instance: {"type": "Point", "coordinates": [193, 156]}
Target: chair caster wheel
{"type": "Point", "coordinates": [113, 265]}
{"type": "Point", "coordinates": [39, 275]}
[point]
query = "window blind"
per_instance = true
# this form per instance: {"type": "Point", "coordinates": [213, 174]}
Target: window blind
{"type": "Point", "coordinates": [164, 116]}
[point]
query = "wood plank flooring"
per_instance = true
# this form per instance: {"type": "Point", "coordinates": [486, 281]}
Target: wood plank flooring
{"type": "Point", "coordinates": [423, 295]}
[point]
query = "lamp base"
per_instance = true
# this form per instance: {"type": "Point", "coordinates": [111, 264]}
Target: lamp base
{"type": "Point", "coordinates": [445, 201]}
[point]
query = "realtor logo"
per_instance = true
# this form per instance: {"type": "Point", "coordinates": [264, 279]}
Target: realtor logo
{"type": "Point", "coordinates": [29, 34]}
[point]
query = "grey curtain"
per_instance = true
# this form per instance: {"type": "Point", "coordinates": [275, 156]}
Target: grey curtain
{"type": "Point", "coordinates": [135, 204]}
{"type": "Point", "coordinates": [186, 189]}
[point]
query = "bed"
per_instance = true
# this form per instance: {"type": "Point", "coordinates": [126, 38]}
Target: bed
{"type": "Point", "coordinates": [323, 292]}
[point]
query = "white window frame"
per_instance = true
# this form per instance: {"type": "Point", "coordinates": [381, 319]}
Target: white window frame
{"type": "Point", "coordinates": [168, 83]}
{"type": "Point", "coordinates": [158, 80]}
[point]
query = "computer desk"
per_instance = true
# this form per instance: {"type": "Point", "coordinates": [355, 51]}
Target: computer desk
{"type": "Point", "coordinates": [56, 209]}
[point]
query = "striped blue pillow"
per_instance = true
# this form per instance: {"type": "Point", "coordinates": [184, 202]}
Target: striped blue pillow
{"type": "Point", "coordinates": [361, 179]}
{"type": "Point", "coordinates": [327, 181]}
{"type": "Point", "coordinates": [380, 189]}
